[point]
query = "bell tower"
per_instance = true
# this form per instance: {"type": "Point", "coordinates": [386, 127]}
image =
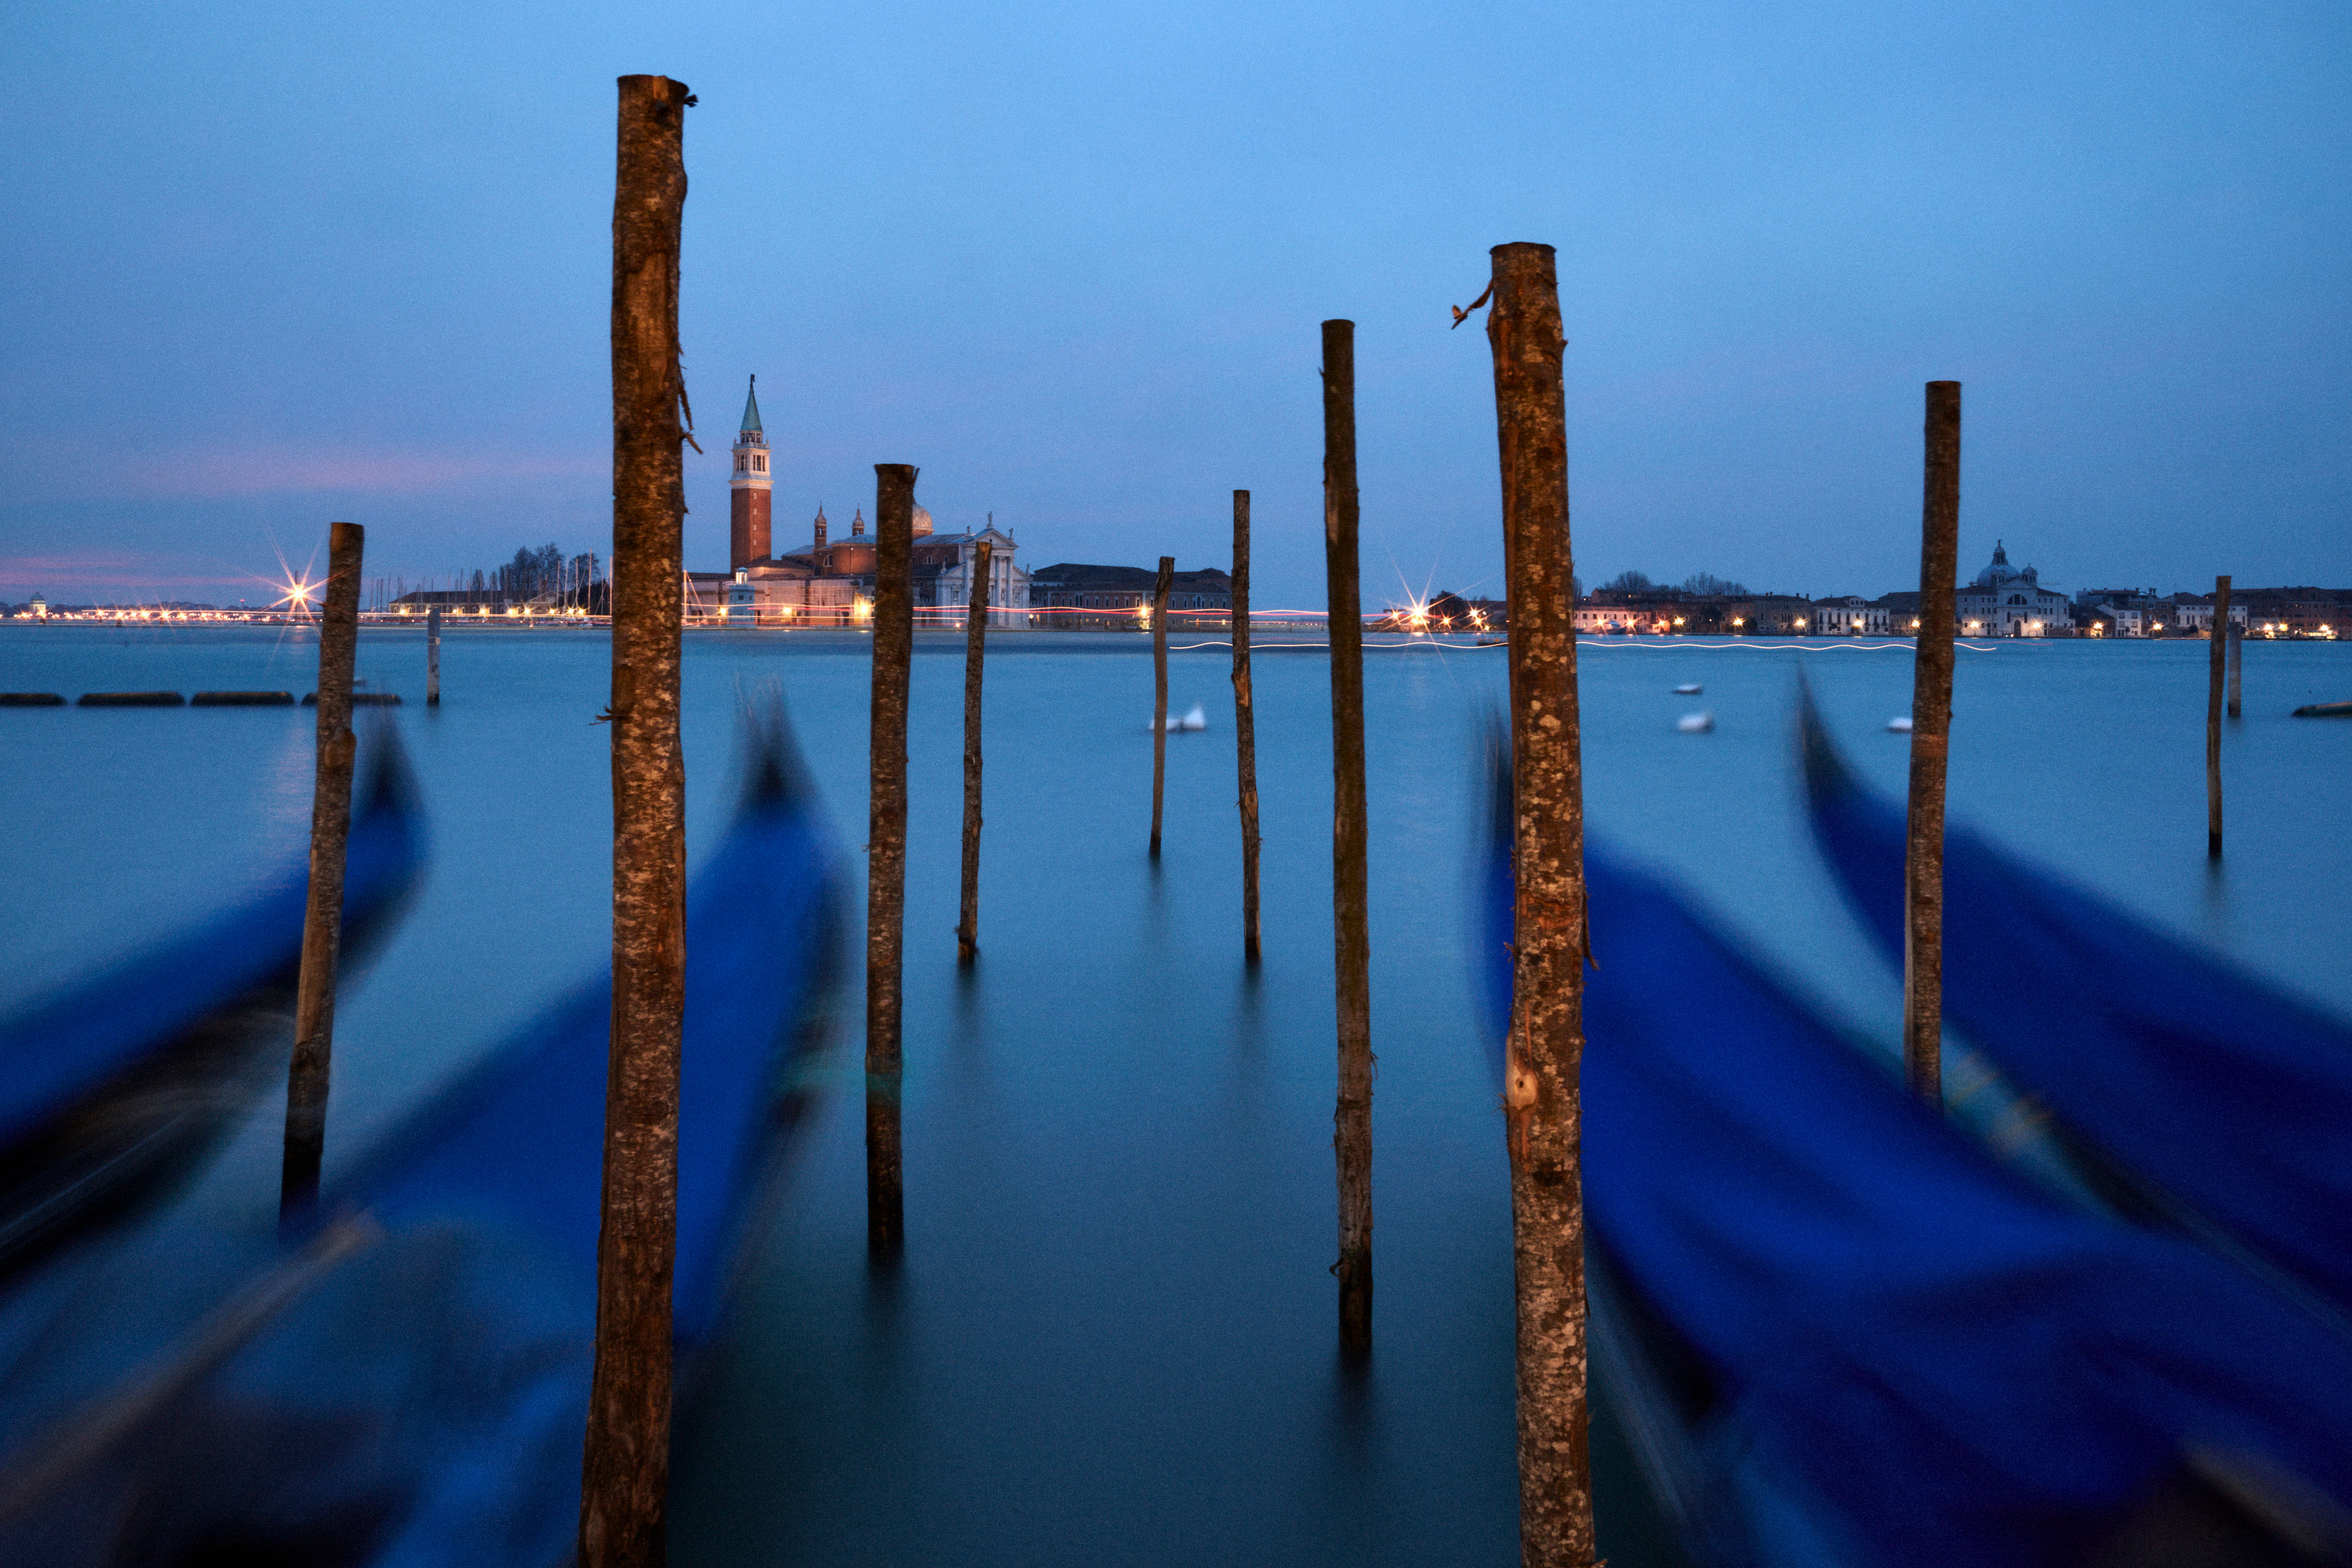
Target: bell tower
{"type": "Point", "coordinates": [749, 489]}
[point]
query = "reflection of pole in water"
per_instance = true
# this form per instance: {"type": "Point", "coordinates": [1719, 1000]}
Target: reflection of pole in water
{"type": "Point", "coordinates": [1545, 1053]}
{"type": "Point", "coordinates": [624, 1460]}
{"type": "Point", "coordinates": [1159, 692]}
{"type": "Point", "coordinates": [886, 864]}
{"type": "Point", "coordinates": [1931, 730]}
{"type": "Point", "coordinates": [1244, 725]}
{"type": "Point", "coordinates": [1352, 1118]}
{"type": "Point", "coordinates": [323, 916]}
{"type": "Point", "coordinates": [976, 651]}
{"type": "Point", "coordinates": [2217, 657]}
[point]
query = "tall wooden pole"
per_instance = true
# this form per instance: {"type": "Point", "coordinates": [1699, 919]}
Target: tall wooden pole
{"type": "Point", "coordinates": [1159, 693]}
{"type": "Point", "coordinates": [1245, 725]}
{"type": "Point", "coordinates": [975, 652]}
{"type": "Point", "coordinates": [432, 657]}
{"type": "Point", "coordinates": [1542, 1097]}
{"type": "Point", "coordinates": [886, 861]}
{"type": "Point", "coordinates": [624, 1466]}
{"type": "Point", "coordinates": [323, 915]}
{"type": "Point", "coordinates": [1931, 728]}
{"type": "Point", "coordinates": [2217, 660]}
{"type": "Point", "coordinates": [1352, 1139]}
{"type": "Point", "coordinates": [2237, 664]}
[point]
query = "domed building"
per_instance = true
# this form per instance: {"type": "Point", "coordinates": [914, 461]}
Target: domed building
{"type": "Point", "coordinates": [2008, 601]}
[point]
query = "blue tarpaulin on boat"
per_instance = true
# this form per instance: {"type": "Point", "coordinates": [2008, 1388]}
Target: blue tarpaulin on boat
{"type": "Point", "coordinates": [2228, 1095]}
{"type": "Point", "coordinates": [1946, 1363]}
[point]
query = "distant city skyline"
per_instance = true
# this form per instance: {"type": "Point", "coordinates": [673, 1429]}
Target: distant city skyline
{"type": "Point", "coordinates": [273, 266]}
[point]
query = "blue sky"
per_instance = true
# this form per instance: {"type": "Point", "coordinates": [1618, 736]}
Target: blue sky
{"type": "Point", "coordinates": [274, 264]}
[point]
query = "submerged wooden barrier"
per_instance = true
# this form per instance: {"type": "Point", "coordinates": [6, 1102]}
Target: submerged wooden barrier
{"type": "Point", "coordinates": [31, 699]}
{"type": "Point", "coordinates": [249, 699]}
{"type": "Point", "coordinates": [361, 700]}
{"type": "Point", "coordinates": [133, 699]}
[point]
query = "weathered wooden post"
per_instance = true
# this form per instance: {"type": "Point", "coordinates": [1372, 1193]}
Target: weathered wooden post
{"type": "Point", "coordinates": [886, 862]}
{"type": "Point", "coordinates": [975, 652]}
{"type": "Point", "coordinates": [1541, 1094]}
{"type": "Point", "coordinates": [625, 1464]}
{"type": "Point", "coordinates": [2216, 658]}
{"type": "Point", "coordinates": [323, 915]}
{"type": "Point", "coordinates": [2237, 664]}
{"type": "Point", "coordinates": [1931, 728]}
{"type": "Point", "coordinates": [1245, 725]}
{"type": "Point", "coordinates": [1352, 1139]}
{"type": "Point", "coordinates": [432, 657]}
{"type": "Point", "coordinates": [1159, 692]}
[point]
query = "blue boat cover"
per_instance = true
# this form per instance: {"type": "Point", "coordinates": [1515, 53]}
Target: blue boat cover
{"type": "Point", "coordinates": [519, 1141]}
{"type": "Point", "coordinates": [1943, 1360]}
{"type": "Point", "coordinates": [2232, 1097]}
{"type": "Point", "coordinates": [75, 1043]}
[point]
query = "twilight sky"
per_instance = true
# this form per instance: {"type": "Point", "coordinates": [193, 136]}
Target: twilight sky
{"type": "Point", "coordinates": [271, 264]}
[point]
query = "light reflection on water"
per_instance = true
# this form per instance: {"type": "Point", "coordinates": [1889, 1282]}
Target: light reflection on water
{"type": "Point", "coordinates": [1112, 1338]}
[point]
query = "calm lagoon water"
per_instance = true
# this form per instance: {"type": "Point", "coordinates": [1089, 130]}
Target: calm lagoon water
{"type": "Point", "coordinates": [1112, 1339]}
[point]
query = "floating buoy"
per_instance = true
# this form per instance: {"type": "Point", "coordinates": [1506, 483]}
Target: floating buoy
{"type": "Point", "coordinates": [1695, 724]}
{"type": "Point", "coordinates": [1901, 726]}
{"type": "Point", "coordinates": [1688, 689]}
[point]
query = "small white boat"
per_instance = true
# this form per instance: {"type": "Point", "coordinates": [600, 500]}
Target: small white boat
{"type": "Point", "coordinates": [1688, 689]}
{"type": "Point", "coordinates": [1196, 717]}
{"type": "Point", "coordinates": [1695, 724]}
{"type": "Point", "coordinates": [1901, 726]}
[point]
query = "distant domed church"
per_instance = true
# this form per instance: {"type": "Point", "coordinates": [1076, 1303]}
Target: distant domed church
{"type": "Point", "coordinates": [2007, 601]}
{"type": "Point", "coordinates": [829, 581]}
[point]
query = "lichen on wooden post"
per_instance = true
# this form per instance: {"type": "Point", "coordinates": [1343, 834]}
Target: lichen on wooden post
{"type": "Point", "coordinates": [1352, 1119]}
{"type": "Point", "coordinates": [2217, 660]}
{"type": "Point", "coordinates": [975, 654]}
{"type": "Point", "coordinates": [310, 1071]}
{"type": "Point", "coordinates": [625, 1469]}
{"type": "Point", "coordinates": [886, 860]}
{"type": "Point", "coordinates": [1931, 730]}
{"type": "Point", "coordinates": [1245, 725]}
{"type": "Point", "coordinates": [1542, 1099]}
{"type": "Point", "coordinates": [1160, 588]}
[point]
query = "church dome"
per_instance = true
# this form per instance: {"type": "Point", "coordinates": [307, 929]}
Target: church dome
{"type": "Point", "coordinates": [922, 523]}
{"type": "Point", "coordinates": [2000, 572]}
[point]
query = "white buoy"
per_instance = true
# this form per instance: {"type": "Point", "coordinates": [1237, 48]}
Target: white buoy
{"type": "Point", "coordinates": [1194, 720]}
{"type": "Point", "coordinates": [1900, 726]}
{"type": "Point", "coordinates": [1695, 724]}
{"type": "Point", "coordinates": [1688, 689]}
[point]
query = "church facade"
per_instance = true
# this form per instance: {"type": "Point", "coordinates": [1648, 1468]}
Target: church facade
{"type": "Point", "coordinates": [2006, 601]}
{"type": "Point", "coordinates": [829, 582]}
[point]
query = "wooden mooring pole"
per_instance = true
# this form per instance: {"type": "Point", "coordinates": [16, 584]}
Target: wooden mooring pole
{"type": "Point", "coordinates": [1542, 1102]}
{"type": "Point", "coordinates": [308, 1075]}
{"type": "Point", "coordinates": [1245, 725]}
{"type": "Point", "coordinates": [1159, 693]}
{"type": "Point", "coordinates": [2217, 660]}
{"type": "Point", "coordinates": [2237, 664]}
{"type": "Point", "coordinates": [975, 654]}
{"type": "Point", "coordinates": [1931, 730]}
{"type": "Point", "coordinates": [432, 657]}
{"type": "Point", "coordinates": [886, 861]}
{"type": "Point", "coordinates": [1352, 1139]}
{"type": "Point", "coordinates": [624, 1464]}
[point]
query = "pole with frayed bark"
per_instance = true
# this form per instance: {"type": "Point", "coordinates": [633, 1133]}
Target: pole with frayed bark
{"type": "Point", "coordinates": [1543, 1108]}
{"type": "Point", "coordinates": [886, 861]}
{"type": "Point", "coordinates": [625, 1465]}
{"type": "Point", "coordinates": [1245, 725]}
{"type": "Point", "coordinates": [2216, 662]}
{"type": "Point", "coordinates": [975, 652]}
{"type": "Point", "coordinates": [1352, 1119]}
{"type": "Point", "coordinates": [1159, 692]}
{"type": "Point", "coordinates": [322, 916]}
{"type": "Point", "coordinates": [1931, 730]}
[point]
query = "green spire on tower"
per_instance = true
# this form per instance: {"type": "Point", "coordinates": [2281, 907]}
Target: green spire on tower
{"type": "Point", "coordinates": [752, 409]}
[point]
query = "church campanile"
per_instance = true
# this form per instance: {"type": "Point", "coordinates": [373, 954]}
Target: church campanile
{"type": "Point", "coordinates": [749, 488]}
